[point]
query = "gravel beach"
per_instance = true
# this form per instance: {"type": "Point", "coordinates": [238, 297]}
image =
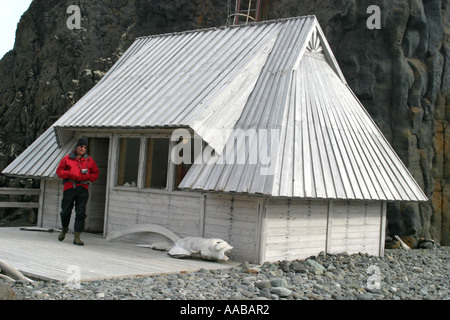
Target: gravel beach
{"type": "Point", "coordinates": [419, 274]}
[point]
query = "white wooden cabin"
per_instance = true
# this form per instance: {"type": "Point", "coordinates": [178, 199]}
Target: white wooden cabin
{"type": "Point", "coordinates": [330, 171]}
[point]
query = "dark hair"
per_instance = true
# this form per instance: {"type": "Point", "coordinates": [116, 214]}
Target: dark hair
{"type": "Point", "coordinates": [83, 141]}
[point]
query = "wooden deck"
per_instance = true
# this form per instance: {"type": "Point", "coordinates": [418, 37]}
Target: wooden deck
{"type": "Point", "coordinates": [40, 255]}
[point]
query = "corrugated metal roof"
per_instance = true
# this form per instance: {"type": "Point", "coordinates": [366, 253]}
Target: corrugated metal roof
{"type": "Point", "coordinates": [41, 158]}
{"type": "Point", "coordinates": [326, 146]}
{"type": "Point", "coordinates": [278, 77]}
{"type": "Point", "coordinates": [178, 79]}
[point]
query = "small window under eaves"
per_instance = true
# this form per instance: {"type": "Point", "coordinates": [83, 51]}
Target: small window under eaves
{"type": "Point", "coordinates": [157, 163]}
{"type": "Point", "coordinates": [127, 174]}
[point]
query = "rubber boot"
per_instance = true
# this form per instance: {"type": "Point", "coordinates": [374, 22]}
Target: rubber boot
{"type": "Point", "coordinates": [62, 234]}
{"type": "Point", "coordinates": [76, 239]}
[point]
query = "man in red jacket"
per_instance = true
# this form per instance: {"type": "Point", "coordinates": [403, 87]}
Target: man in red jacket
{"type": "Point", "coordinates": [77, 169]}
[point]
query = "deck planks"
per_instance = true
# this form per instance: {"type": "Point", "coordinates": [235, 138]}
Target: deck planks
{"type": "Point", "coordinates": [40, 255]}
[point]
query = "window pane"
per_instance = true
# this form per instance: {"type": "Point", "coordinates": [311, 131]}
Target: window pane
{"type": "Point", "coordinates": [127, 174]}
{"type": "Point", "coordinates": [157, 163]}
{"type": "Point", "coordinates": [196, 147]}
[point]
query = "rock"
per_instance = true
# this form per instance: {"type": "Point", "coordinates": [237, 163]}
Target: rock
{"type": "Point", "coordinates": [241, 286]}
{"type": "Point", "coordinates": [32, 217]}
{"type": "Point", "coordinates": [265, 292]}
{"type": "Point", "coordinates": [244, 265]}
{"type": "Point", "coordinates": [278, 282]}
{"type": "Point", "coordinates": [297, 295]}
{"type": "Point", "coordinates": [418, 269]}
{"type": "Point", "coordinates": [331, 267]}
{"type": "Point", "coordinates": [364, 297]}
{"type": "Point", "coordinates": [6, 293]}
{"type": "Point", "coordinates": [426, 244]}
{"type": "Point", "coordinates": [264, 284]}
{"type": "Point", "coordinates": [411, 241]}
{"type": "Point", "coordinates": [203, 270]}
{"type": "Point", "coordinates": [329, 275]}
{"type": "Point", "coordinates": [252, 270]}
{"type": "Point", "coordinates": [281, 291]}
{"type": "Point", "coordinates": [318, 268]}
{"type": "Point", "coordinates": [406, 274]}
{"type": "Point", "coordinates": [313, 296]}
{"type": "Point", "coordinates": [298, 266]}
{"type": "Point", "coordinates": [284, 265]}
{"type": "Point", "coordinates": [277, 273]}
{"type": "Point", "coordinates": [98, 75]}
{"type": "Point", "coordinates": [392, 244]}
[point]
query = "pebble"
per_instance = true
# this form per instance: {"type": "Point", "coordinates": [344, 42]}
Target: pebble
{"type": "Point", "coordinates": [419, 274]}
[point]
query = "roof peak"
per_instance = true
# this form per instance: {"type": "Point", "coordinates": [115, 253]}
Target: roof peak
{"type": "Point", "coordinates": [264, 22]}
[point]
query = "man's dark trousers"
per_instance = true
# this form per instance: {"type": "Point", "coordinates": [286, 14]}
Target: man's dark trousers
{"type": "Point", "coordinates": [75, 196]}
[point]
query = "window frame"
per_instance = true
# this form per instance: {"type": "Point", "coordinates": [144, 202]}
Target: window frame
{"type": "Point", "coordinates": [140, 184]}
{"type": "Point", "coordinates": [117, 160]}
{"type": "Point", "coordinates": [143, 163]}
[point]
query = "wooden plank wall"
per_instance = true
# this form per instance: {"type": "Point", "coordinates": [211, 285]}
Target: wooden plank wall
{"type": "Point", "coordinates": [52, 197]}
{"type": "Point", "coordinates": [298, 229]}
{"type": "Point", "coordinates": [355, 227]}
{"type": "Point", "coordinates": [290, 229]}
{"type": "Point", "coordinates": [235, 220]}
{"type": "Point", "coordinates": [295, 229]}
{"type": "Point", "coordinates": [180, 213]}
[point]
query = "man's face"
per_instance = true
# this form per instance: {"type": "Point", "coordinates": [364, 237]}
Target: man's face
{"type": "Point", "coordinates": [81, 150]}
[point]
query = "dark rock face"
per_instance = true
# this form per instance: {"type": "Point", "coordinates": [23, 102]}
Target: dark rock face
{"type": "Point", "coordinates": [400, 72]}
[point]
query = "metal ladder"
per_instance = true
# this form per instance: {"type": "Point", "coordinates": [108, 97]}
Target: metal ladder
{"type": "Point", "coordinates": [242, 14]}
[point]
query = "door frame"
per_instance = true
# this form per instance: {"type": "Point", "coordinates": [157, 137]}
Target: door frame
{"type": "Point", "coordinates": [108, 136]}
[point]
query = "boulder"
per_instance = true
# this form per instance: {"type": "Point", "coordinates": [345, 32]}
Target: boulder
{"type": "Point", "coordinates": [6, 293]}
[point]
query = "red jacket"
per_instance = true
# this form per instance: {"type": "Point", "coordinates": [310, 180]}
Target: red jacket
{"type": "Point", "coordinates": [71, 170]}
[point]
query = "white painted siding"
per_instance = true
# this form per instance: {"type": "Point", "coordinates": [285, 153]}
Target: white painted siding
{"type": "Point", "coordinates": [295, 229]}
{"type": "Point", "coordinates": [179, 212]}
{"type": "Point", "coordinates": [355, 227]}
{"type": "Point", "coordinates": [235, 220]}
{"type": "Point", "coordinates": [51, 209]}
{"type": "Point", "coordinates": [291, 229]}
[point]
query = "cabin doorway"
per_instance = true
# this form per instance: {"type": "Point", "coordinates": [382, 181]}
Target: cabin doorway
{"type": "Point", "coordinates": [98, 149]}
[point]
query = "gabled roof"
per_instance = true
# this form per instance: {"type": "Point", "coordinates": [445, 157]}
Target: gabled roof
{"type": "Point", "coordinates": [41, 158]}
{"type": "Point", "coordinates": [191, 79]}
{"type": "Point", "coordinates": [278, 78]}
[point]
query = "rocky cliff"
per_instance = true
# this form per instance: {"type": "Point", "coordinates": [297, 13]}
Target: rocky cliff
{"type": "Point", "coordinates": [400, 72]}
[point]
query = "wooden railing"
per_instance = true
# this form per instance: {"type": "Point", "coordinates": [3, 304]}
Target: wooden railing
{"type": "Point", "coordinates": [19, 191]}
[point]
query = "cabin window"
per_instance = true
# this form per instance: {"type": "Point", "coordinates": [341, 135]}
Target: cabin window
{"type": "Point", "coordinates": [157, 163]}
{"type": "Point", "coordinates": [192, 146]}
{"type": "Point", "coordinates": [127, 174]}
